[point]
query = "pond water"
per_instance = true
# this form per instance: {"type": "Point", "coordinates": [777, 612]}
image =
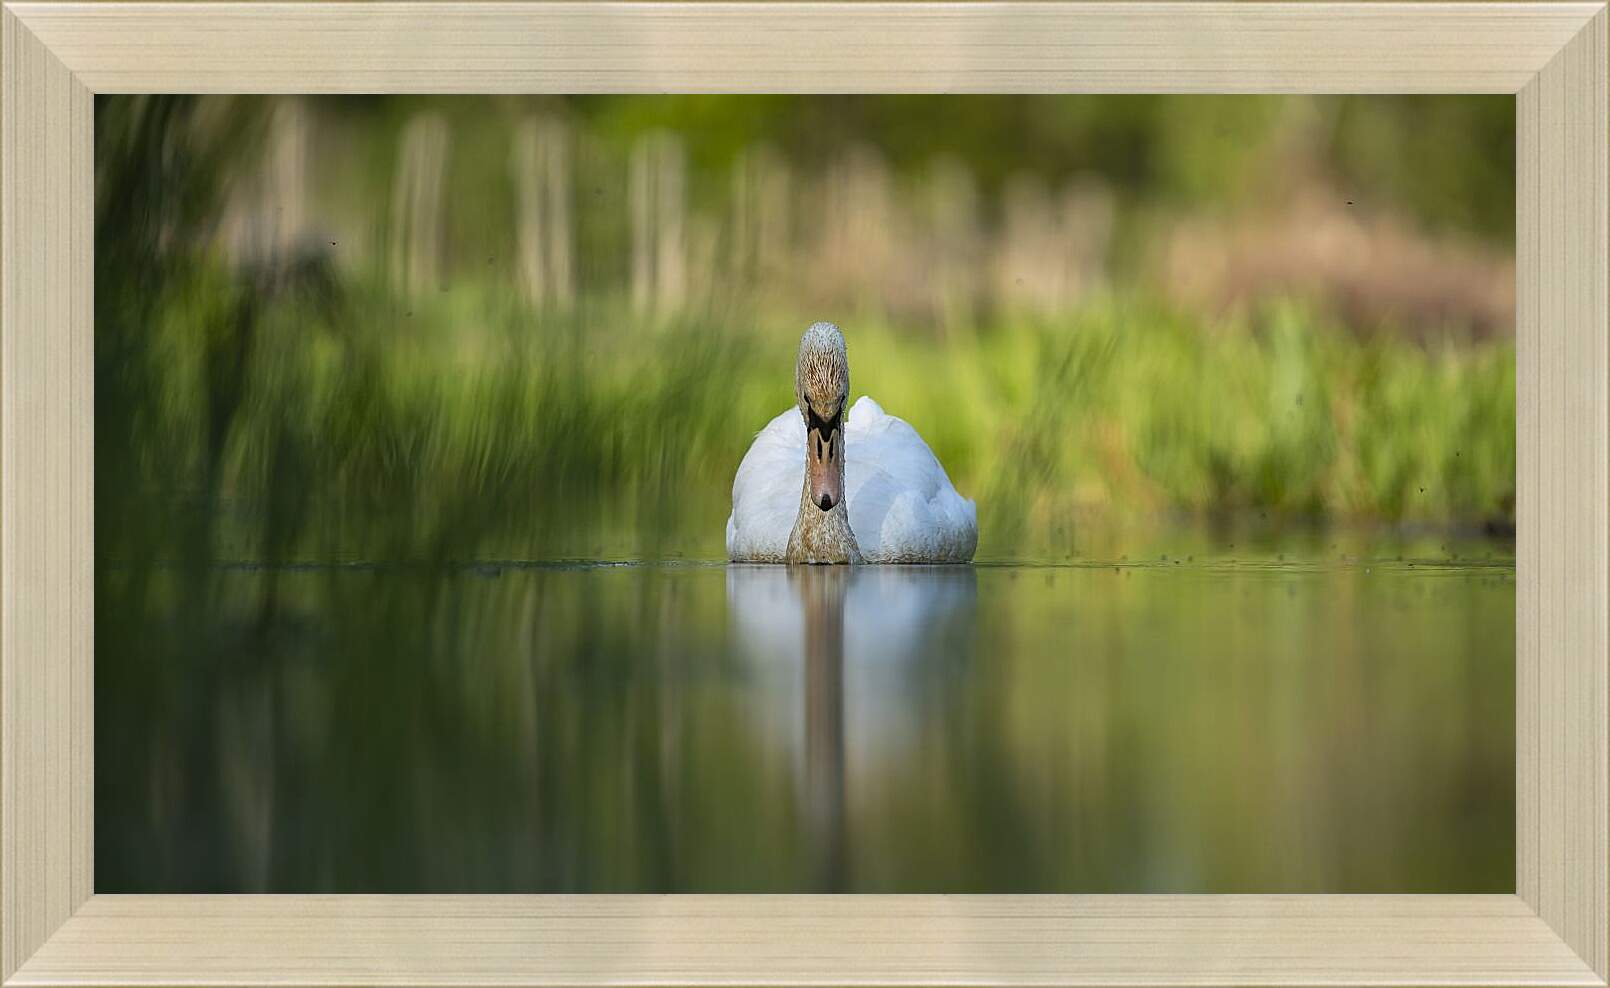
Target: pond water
{"type": "Point", "coordinates": [1311, 721]}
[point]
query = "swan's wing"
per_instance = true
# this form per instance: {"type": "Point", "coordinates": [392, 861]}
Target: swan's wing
{"type": "Point", "coordinates": [765, 492]}
{"type": "Point", "coordinates": [903, 507]}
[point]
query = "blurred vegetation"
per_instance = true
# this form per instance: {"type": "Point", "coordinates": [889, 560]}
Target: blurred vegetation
{"type": "Point", "coordinates": [288, 368]}
{"type": "Point", "coordinates": [1447, 162]}
{"type": "Point", "coordinates": [342, 341]}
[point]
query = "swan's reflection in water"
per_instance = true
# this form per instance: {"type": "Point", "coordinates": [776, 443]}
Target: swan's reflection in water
{"type": "Point", "coordinates": [705, 728]}
{"type": "Point", "coordinates": [834, 630]}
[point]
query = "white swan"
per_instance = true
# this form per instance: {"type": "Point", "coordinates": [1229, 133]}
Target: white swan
{"type": "Point", "coordinates": [821, 487]}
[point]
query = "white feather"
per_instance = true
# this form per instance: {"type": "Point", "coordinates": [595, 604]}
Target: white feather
{"type": "Point", "coordinates": [903, 507]}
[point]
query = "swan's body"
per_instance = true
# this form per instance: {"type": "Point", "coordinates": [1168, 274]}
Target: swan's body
{"type": "Point", "coordinates": [892, 501]}
{"type": "Point", "coordinates": [902, 506]}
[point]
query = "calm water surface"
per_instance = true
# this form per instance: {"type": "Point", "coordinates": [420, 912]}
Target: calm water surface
{"type": "Point", "coordinates": [1321, 723]}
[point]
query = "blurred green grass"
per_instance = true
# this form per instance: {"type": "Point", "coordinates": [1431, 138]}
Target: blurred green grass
{"type": "Point", "coordinates": [438, 380]}
{"type": "Point", "coordinates": [463, 426]}
{"type": "Point", "coordinates": [302, 402]}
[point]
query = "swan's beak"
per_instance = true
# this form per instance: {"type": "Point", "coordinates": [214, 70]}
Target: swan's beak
{"type": "Point", "coordinates": [823, 454]}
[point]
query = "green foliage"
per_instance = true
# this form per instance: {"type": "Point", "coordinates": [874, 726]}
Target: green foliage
{"type": "Point", "coordinates": [268, 725]}
{"type": "Point", "coordinates": [286, 409]}
{"type": "Point", "coordinates": [1448, 162]}
{"type": "Point", "coordinates": [462, 428]}
{"type": "Point", "coordinates": [1128, 409]}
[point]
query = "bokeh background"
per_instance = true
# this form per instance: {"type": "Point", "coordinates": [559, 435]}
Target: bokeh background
{"type": "Point", "coordinates": [416, 420]}
{"type": "Point", "coordinates": [535, 328]}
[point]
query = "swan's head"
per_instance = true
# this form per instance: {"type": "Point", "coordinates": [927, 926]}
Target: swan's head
{"type": "Point", "coordinates": [822, 388]}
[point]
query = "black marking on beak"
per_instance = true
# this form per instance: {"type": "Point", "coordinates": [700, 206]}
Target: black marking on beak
{"type": "Point", "coordinates": [820, 430]}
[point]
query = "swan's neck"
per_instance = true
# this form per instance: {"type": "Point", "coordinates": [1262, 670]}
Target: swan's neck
{"type": "Point", "coordinates": [822, 536]}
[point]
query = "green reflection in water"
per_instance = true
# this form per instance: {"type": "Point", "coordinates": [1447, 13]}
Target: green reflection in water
{"type": "Point", "coordinates": [1314, 723]}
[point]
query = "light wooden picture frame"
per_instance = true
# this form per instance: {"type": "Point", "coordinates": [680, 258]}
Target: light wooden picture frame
{"type": "Point", "coordinates": [1555, 929]}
